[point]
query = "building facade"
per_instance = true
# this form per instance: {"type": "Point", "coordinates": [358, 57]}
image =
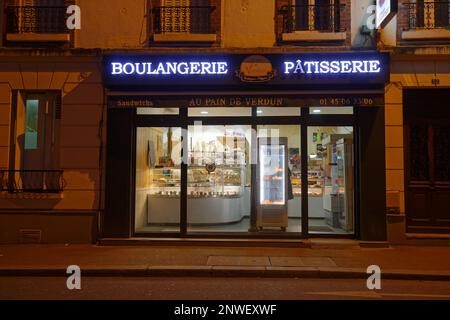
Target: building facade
{"type": "Point", "coordinates": [416, 117]}
{"type": "Point", "coordinates": [230, 119]}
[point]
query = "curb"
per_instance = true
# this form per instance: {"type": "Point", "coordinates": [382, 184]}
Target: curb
{"type": "Point", "coordinates": [226, 271]}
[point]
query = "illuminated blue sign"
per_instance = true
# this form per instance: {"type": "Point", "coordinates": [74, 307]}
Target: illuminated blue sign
{"type": "Point", "coordinates": [324, 67]}
{"type": "Point", "coordinates": [201, 71]}
{"type": "Point", "coordinates": [169, 68]}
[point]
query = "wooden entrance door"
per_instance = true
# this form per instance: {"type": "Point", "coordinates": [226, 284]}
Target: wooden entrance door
{"type": "Point", "coordinates": [427, 158]}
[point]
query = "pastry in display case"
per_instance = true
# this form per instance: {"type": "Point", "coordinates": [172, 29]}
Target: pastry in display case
{"type": "Point", "coordinates": [217, 166]}
{"type": "Point", "coordinates": [165, 182]}
{"type": "Point", "coordinates": [272, 176]}
{"type": "Point", "coordinates": [220, 191]}
{"type": "Point", "coordinates": [315, 182]}
{"type": "Point", "coordinates": [224, 181]}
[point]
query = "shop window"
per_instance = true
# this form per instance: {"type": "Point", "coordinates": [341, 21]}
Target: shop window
{"type": "Point", "coordinates": [219, 179]}
{"type": "Point", "coordinates": [158, 180]}
{"type": "Point", "coordinates": [278, 112]}
{"type": "Point", "coordinates": [158, 111]}
{"type": "Point", "coordinates": [241, 180]}
{"type": "Point", "coordinates": [330, 180]}
{"type": "Point", "coordinates": [220, 112]}
{"type": "Point", "coordinates": [330, 110]}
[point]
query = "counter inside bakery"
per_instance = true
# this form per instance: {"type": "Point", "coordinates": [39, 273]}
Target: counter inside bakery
{"type": "Point", "coordinates": [165, 209]}
{"type": "Point", "coordinates": [203, 208]}
{"type": "Point", "coordinates": [210, 202]}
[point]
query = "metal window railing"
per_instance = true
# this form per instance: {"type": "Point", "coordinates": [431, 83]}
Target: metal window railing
{"type": "Point", "coordinates": [427, 15]}
{"type": "Point", "coordinates": [318, 17]}
{"type": "Point", "coordinates": [192, 19]}
{"type": "Point", "coordinates": [36, 19]}
{"type": "Point", "coordinates": [33, 181]}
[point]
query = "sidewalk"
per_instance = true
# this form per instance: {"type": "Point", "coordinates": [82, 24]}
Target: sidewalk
{"type": "Point", "coordinates": [323, 260]}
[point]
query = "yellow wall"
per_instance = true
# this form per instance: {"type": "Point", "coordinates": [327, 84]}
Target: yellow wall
{"type": "Point", "coordinates": [394, 144]}
{"type": "Point", "coordinates": [402, 77]}
{"type": "Point", "coordinates": [245, 23]}
{"type": "Point", "coordinates": [248, 23]}
{"type": "Point", "coordinates": [82, 107]}
{"type": "Point", "coordinates": [122, 24]}
{"type": "Point", "coordinates": [112, 24]}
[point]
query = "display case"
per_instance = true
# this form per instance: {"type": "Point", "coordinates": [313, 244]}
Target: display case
{"type": "Point", "coordinates": [224, 181]}
{"type": "Point", "coordinates": [272, 183]}
{"type": "Point", "coordinates": [219, 181]}
{"type": "Point", "coordinates": [165, 182]}
{"type": "Point", "coordinates": [217, 188]}
{"type": "Point", "coordinates": [315, 179]}
{"type": "Point", "coordinates": [220, 189]}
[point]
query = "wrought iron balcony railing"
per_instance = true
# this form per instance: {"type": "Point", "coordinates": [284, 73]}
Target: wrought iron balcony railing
{"type": "Point", "coordinates": [33, 181]}
{"type": "Point", "coordinates": [428, 15]}
{"type": "Point", "coordinates": [193, 19]}
{"type": "Point", "coordinates": [318, 17]}
{"type": "Point", "coordinates": [36, 19]}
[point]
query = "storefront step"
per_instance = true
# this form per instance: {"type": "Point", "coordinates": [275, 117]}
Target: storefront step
{"type": "Point", "coordinates": [427, 239]}
{"type": "Point", "coordinates": [333, 243]}
{"type": "Point", "coordinates": [284, 243]}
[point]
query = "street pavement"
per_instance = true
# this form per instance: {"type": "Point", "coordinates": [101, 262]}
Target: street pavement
{"type": "Point", "coordinates": [135, 288]}
{"type": "Point", "coordinates": [344, 259]}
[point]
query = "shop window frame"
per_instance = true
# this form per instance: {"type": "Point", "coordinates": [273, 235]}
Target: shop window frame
{"type": "Point", "coordinates": [305, 120]}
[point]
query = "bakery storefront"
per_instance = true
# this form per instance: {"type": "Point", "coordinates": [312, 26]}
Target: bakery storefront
{"type": "Point", "coordinates": [245, 146]}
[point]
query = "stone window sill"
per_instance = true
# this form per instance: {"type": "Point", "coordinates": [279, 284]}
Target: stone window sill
{"type": "Point", "coordinates": [38, 37]}
{"type": "Point", "coordinates": [314, 36]}
{"type": "Point", "coordinates": [185, 37]}
{"type": "Point", "coordinates": [430, 34]}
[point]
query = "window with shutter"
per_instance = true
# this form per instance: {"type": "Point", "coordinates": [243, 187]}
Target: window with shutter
{"type": "Point", "coordinates": [316, 15]}
{"type": "Point", "coordinates": [175, 16]}
{"type": "Point", "coordinates": [184, 16]}
{"type": "Point", "coordinates": [41, 16]}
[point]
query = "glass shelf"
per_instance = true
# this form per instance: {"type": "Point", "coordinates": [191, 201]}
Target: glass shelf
{"type": "Point", "coordinates": [225, 181]}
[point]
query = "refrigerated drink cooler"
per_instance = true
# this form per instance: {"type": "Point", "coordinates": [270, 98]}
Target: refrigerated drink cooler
{"type": "Point", "coordinates": [338, 195]}
{"type": "Point", "coordinates": [272, 175]}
